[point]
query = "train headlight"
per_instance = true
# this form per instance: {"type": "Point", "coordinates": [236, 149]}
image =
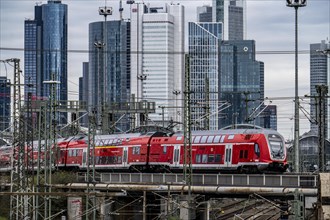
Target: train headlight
{"type": "Point", "coordinates": [256, 160]}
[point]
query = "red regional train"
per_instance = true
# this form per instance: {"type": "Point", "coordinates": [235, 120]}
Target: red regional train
{"type": "Point", "coordinates": [228, 150]}
{"type": "Point", "coordinates": [242, 150]}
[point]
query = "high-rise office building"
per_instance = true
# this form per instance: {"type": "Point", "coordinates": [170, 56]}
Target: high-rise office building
{"type": "Point", "coordinates": [319, 75]}
{"type": "Point", "coordinates": [84, 92]}
{"type": "Point", "coordinates": [157, 59]}
{"type": "Point", "coordinates": [204, 14]}
{"type": "Point", "coordinates": [45, 53]}
{"type": "Point", "coordinates": [109, 67]}
{"type": "Point", "coordinates": [270, 117]}
{"type": "Point", "coordinates": [241, 82]}
{"type": "Point", "coordinates": [204, 44]}
{"type": "Point", "coordinates": [4, 103]}
{"type": "Point", "coordinates": [232, 13]}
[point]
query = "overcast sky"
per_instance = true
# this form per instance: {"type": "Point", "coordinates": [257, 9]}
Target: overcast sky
{"type": "Point", "coordinates": [269, 22]}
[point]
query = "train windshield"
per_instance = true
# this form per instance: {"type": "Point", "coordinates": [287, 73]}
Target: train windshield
{"type": "Point", "coordinates": [276, 145]}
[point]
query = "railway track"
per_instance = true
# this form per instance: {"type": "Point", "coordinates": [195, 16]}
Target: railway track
{"type": "Point", "coordinates": [247, 209]}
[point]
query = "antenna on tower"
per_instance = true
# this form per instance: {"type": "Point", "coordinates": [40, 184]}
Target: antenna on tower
{"type": "Point", "coordinates": [121, 10]}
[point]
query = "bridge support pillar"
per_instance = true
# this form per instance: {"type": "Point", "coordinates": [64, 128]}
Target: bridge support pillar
{"type": "Point", "coordinates": [187, 207]}
{"type": "Point", "coordinates": [324, 196]}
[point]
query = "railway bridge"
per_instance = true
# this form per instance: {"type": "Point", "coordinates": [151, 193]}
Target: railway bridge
{"type": "Point", "coordinates": [210, 196]}
{"type": "Point", "coordinates": [209, 193]}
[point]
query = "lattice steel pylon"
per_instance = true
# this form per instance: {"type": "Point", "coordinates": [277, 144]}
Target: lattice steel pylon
{"type": "Point", "coordinates": [90, 212]}
{"type": "Point", "coordinates": [21, 206]}
{"type": "Point", "coordinates": [51, 148]}
{"type": "Point", "coordinates": [187, 167]}
{"type": "Point", "coordinates": [42, 174]}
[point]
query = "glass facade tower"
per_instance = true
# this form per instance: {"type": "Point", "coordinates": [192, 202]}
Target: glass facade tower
{"type": "Point", "coordinates": [4, 103]}
{"type": "Point", "coordinates": [157, 40]}
{"type": "Point", "coordinates": [241, 82]}
{"type": "Point", "coordinates": [319, 75]}
{"type": "Point", "coordinates": [109, 85]}
{"type": "Point", "coordinates": [45, 43]}
{"type": "Point", "coordinates": [204, 14]}
{"type": "Point", "coordinates": [232, 13]}
{"type": "Point", "coordinates": [204, 44]}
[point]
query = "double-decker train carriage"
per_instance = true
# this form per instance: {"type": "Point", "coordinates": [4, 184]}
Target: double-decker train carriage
{"type": "Point", "coordinates": [243, 150]}
{"type": "Point", "coordinates": [240, 150]}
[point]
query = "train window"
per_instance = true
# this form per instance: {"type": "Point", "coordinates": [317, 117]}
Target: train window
{"type": "Point", "coordinates": [136, 150]}
{"type": "Point", "coordinates": [179, 138]}
{"type": "Point", "coordinates": [203, 140]}
{"type": "Point", "coordinates": [197, 139]}
{"type": "Point", "coordinates": [70, 153]}
{"type": "Point", "coordinates": [119, 159]}
{"type": "Point", "coordinates": [231, 137]}
{"type": "Point", "coordinates": [217, 158]}
{"type": "Point", "coordinates": [246, 154]}
{"type": "Point", "coordinates": [204, 158]}
{"type": "Point", "coordinates": [176, 155]}
{"type": "Point", "coordinates": [222, 138]}
{"type": "Point", "coordinates": [210, 139]}
{"type": "Point", "coordinates": [241, 154]}
{"type": "Point", "coordinates": [276, 144]}
{"type": "Point", "coordinates": [217, 139]}
{"type": "Point", "coordinates": [125, 155]}
{"type": "Point", "coordinates": [164, 149]}
{"type": "Point", "coordinates": [210, 158]}
{"type": "Point", "coordinates": [97, 160]}
{"type": "Point", "coordinates": [256, 149]}
{"type": "Point", "coordinates": [198, 158]}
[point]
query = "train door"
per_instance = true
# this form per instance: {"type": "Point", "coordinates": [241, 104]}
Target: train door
{"type": "Point", "coordinates": [176, 155]}
{"type": "Point", "coordinates": [84, 159]}
{"type": "Point", "coordinates": [125, 154]}
{"type": "Point", "coordinates": [228, 155]}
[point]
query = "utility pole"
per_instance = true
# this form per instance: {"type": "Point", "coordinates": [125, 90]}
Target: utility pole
{"type": "Point", "coordinates": [296, 4]}
{"type": "Point", "coordinates": [105, 11]}
{"type": "Point", "coordinates": [90, 174]}
{"type": "Point", "coordinates": [21, 206]}
{"type": "Point", "coordinates": [187, 167]}
{"type": "Point", "coordinates": [42, 172]}
{"type": "Point", "coordinates": [187, 210]}
{"type": "Point", "coordinates": [322, 91]}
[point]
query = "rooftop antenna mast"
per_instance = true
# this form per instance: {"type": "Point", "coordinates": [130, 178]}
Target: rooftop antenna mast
{"type": "Point", "coordinates": [121, 9]}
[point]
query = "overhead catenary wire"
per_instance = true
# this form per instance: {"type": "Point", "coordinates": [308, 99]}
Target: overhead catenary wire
{"type": "Point", "coordinates": [269, 52]}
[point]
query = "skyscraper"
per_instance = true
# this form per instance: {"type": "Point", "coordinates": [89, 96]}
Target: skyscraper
{"type": "Point", "coordinates": [45, 52]}
{"type": "Point", "coordinates": [84, 92]}
{"type": "Point", "coordinates": [204, 44]}
{"type": "Point", "coordinates": [109, 82]}
{"type": "Point", "coordinates": [241, 82]}
{"type": "Point", "coordinates": [4, 103]}
{"type": "Point", "coordinates": [157, 67]}
{"type": "Point", "coordinates": [232, 14]}
{"type": "Point", "coordinates": [204, 14]}
{"type": "Point", "coordinates": [319, 75]}
{"type": "Point", "coordinates": [270, 117]}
